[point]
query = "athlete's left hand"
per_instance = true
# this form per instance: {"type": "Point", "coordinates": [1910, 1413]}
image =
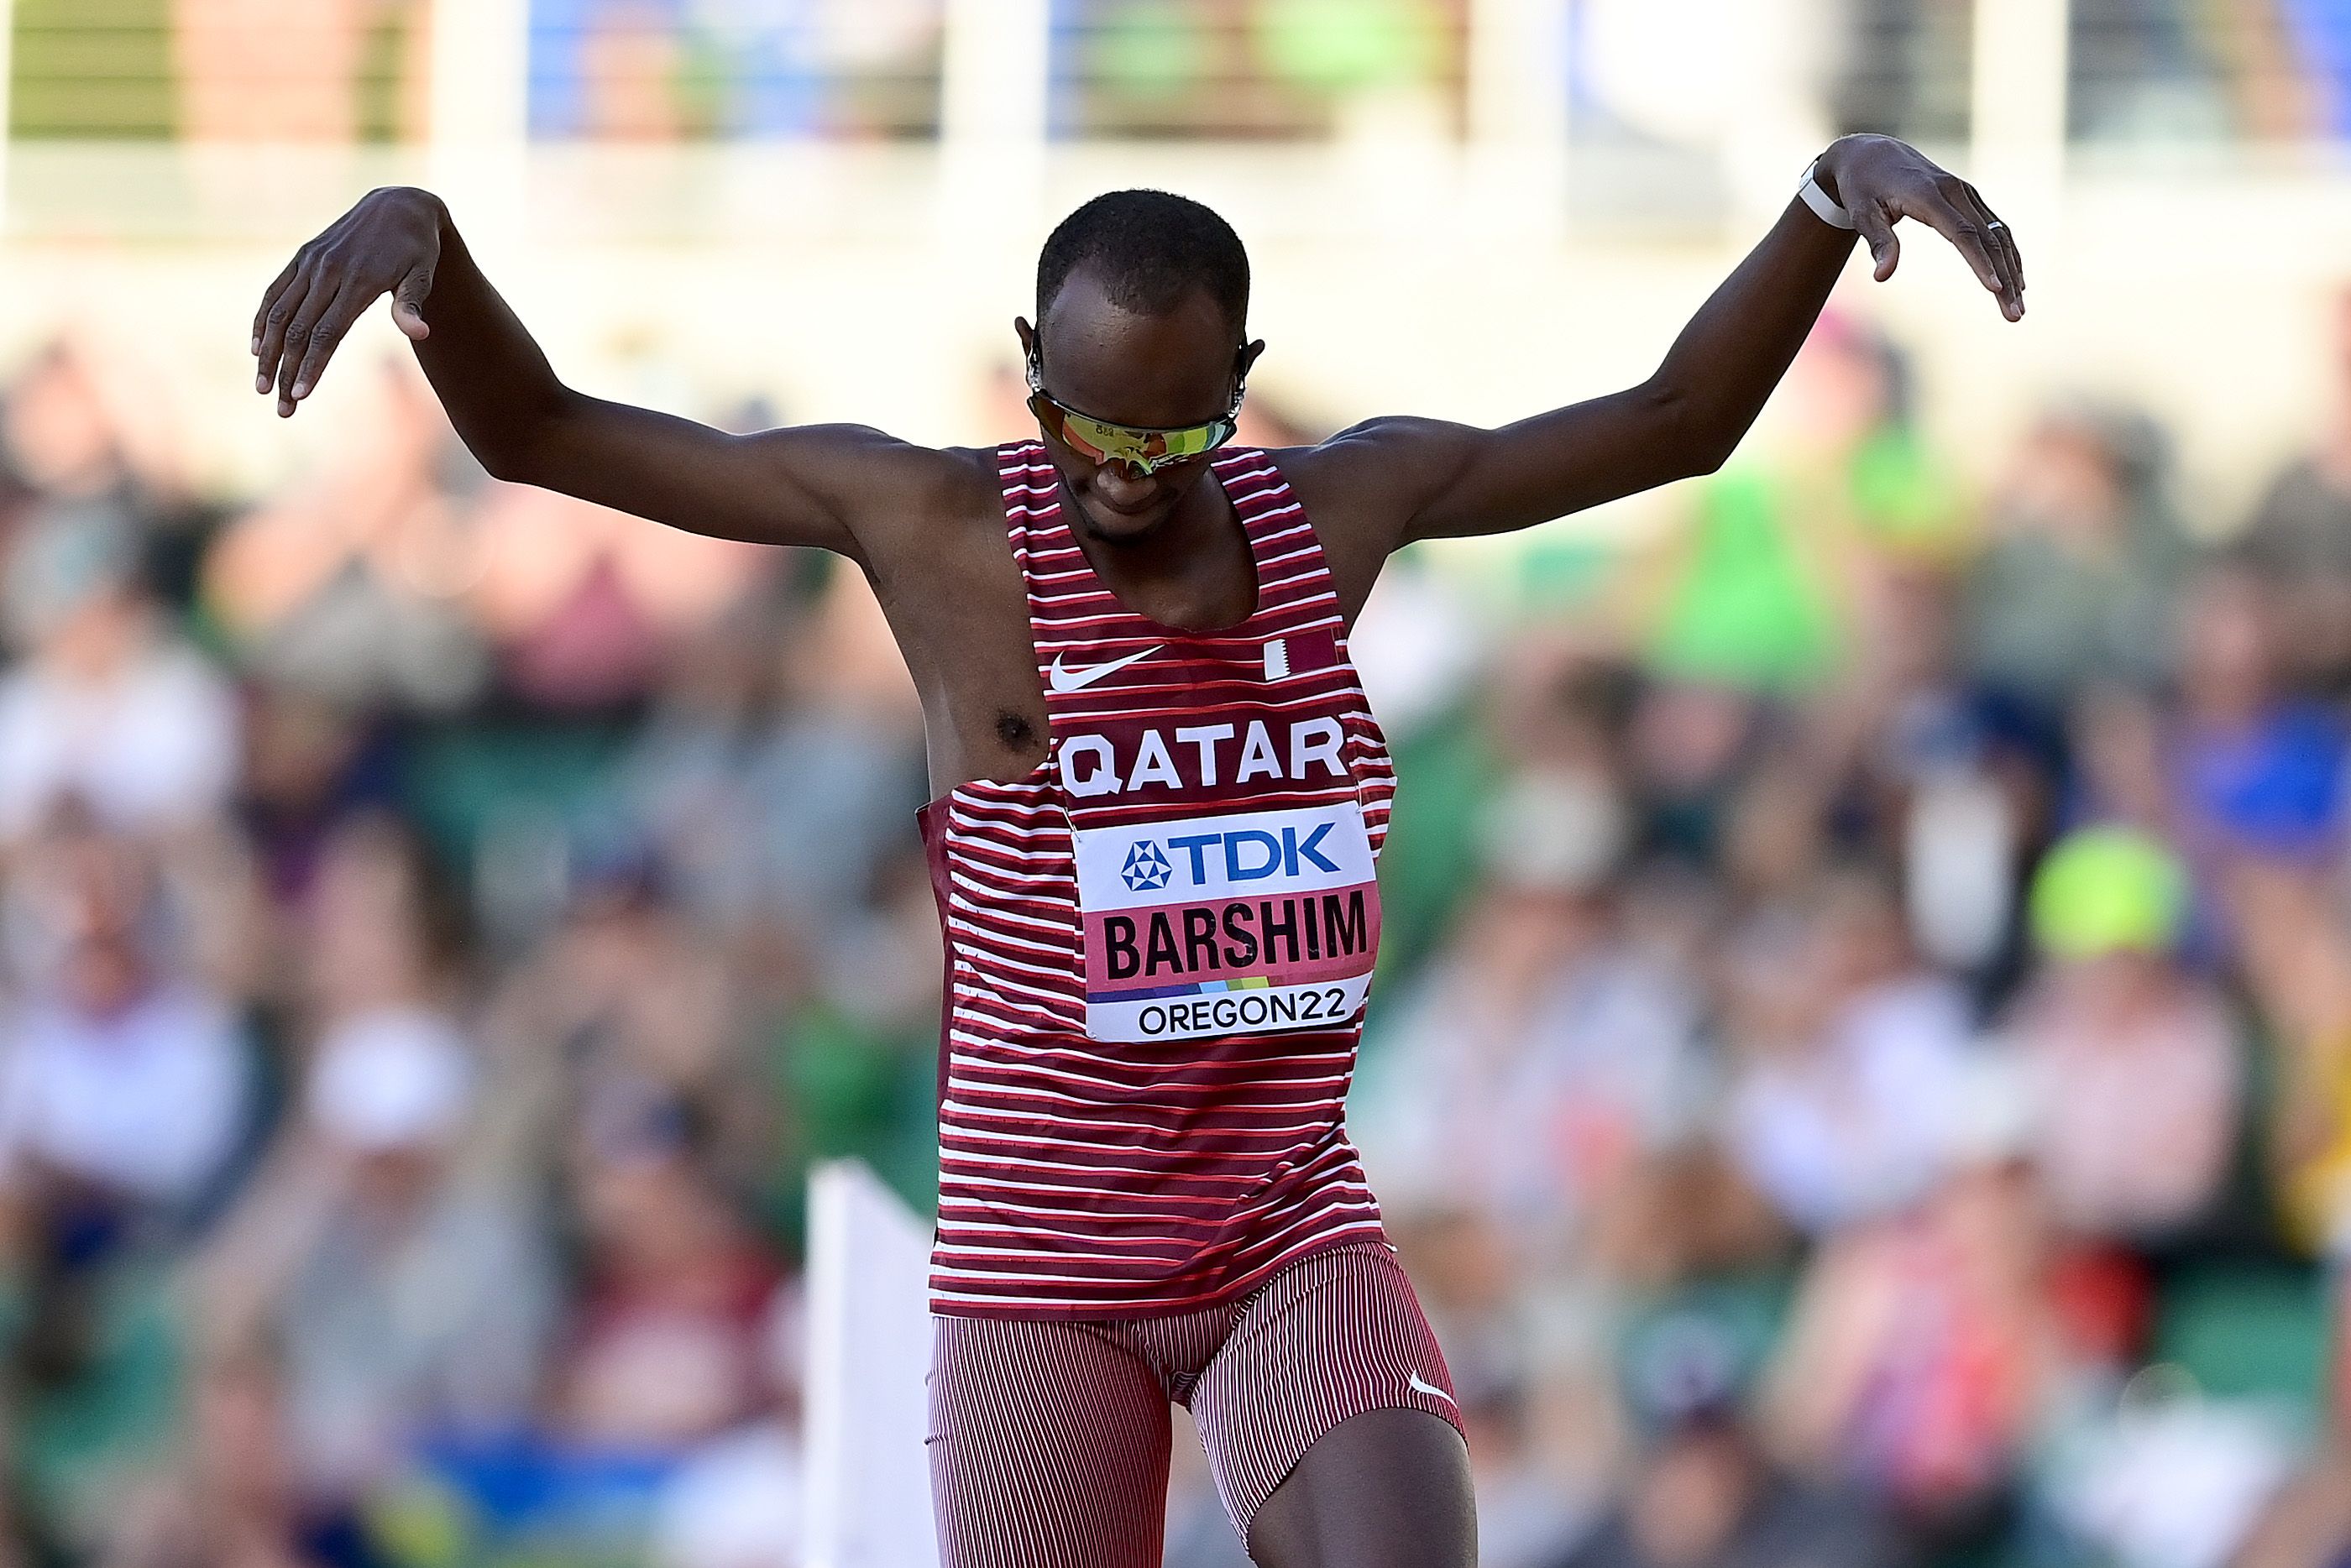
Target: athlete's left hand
{"type": "Point", "coordinates": [1879, 182]}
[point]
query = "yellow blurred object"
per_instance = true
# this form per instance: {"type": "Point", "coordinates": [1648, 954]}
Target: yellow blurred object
{"type": "Point", "coordinates": [2314, 1187]}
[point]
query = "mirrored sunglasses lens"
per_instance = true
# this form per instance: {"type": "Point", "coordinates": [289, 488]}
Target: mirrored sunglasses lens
{"type": "Point", "coordinates": [1104, 441]}
{"type": "Point", "coordinates": [1194, 441]}
{"type": "Point", "coordinates": [1141, 452]}
{"type": "Point", "coordinates": [1070, 430]}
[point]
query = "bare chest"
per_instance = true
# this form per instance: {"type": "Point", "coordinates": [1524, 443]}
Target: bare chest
{"type": "Point", "coordinates": [959, 607]}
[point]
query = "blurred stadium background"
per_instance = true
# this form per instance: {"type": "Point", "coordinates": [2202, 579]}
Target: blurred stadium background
{"type": "Point", "coordinates": [1864, 1074]}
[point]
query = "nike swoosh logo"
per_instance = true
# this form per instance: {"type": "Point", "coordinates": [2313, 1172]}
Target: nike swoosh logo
{"type": "Point", "coordinates": [1063, 680]}
{"type": "Point", "coordinates": [1417, 1386]}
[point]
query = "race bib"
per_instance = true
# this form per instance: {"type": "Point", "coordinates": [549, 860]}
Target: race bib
{"type": "Point", "coordinates": [1245, 924]}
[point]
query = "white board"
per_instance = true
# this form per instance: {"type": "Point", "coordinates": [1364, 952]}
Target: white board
{"type": "Point", "coordinates": [868, 1483]}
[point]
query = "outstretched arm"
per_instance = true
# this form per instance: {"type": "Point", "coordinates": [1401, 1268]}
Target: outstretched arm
{"type": "Point", "coordinates": [797, 486]}
{"type": "Point", "coordinates": [1428, 478]}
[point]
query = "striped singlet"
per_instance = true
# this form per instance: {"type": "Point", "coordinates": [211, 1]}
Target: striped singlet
{"type": "Point", "coordinates": [1157, 943]}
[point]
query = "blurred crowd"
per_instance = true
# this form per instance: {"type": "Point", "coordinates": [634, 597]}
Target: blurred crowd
{"type": "Point", "coordinates": [1880, 1094]}
{"type": "Point", "coordinates": [1862, 1075]}
{"type": "Point", "coordinates": [443, 920]}
{"type": "Point", "coordinates": [2160, 71]}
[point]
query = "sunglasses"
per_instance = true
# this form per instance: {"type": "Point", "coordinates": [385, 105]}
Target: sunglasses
{"type": "Point", "coordinates": [1142, 452]}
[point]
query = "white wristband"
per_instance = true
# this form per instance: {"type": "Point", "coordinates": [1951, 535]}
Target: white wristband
{"type": "Point", "coordinates": [1826, 209]}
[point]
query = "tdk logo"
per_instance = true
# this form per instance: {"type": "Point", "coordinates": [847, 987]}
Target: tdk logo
{"type": "Point", "coordinates": [1146, 869]}
{"type": "Point", "coordinates": [1250, 854]}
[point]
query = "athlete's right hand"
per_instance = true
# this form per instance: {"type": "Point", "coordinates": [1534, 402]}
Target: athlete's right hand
{"type": "Point", "coordinates": [389, 242]}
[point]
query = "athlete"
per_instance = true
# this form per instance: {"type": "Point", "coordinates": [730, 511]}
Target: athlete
{"type": "Point", "coordinates": [1160, 799]}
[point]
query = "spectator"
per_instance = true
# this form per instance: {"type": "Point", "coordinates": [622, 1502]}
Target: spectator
{"type": "Point", "coordinates": [1850, 1055]}
{"type": "Point", "coordinates": [310, 764]}
{"type": "Point", "coordinates": [350, 590]}
{"type": "Point", "coordinates": [2260, 772]}
{"type": "Point", "coordinates": [2298, 969]}
{"type": "Point", "coordinates": [736, 1502]}
{"type": "Point", "coordinates": [2299, 538]}
{"type": "Point", "coordinates": [124, 1086]}
{"type": "Point", "coordinates": [1690, 748]}
{"type": "Point", "coordinates": [2076, 588]}
{"type": "Point", "coordinates": [1704, 1493]}
{"type": "Point", "coordinates": [81, 424]}
{"type": "Point", "coordinates": [1542, 1058]}
{"type": "Point", "coordinates": [2170, 1480]}
{"type": "Point", "coordinates": [1781, 562]}
{"type": "Point", "coordinates": [670, 1343]}
{"type": "Point", "coordinates": [231, 1497]}
{"type": "Point", "coordinates": [412, 1301]}
{"type": "Point", "coordinates": [109, 707]}
{"type": "Point", "coordinates": [684, 783]}
{"type": "Point", "coordinates": [839, 770]}
{"type": "Point", "coordinates": [2137, 1061]}
{"type": "Point", "coordinates": [625, 1018]}
{"type": "Point", "coordinates": [582, 602]}
{"type": "Point", "coordinates": [1525, 1516]}
{"type": "Point", "coordinates": [1926, 1345]}
{"type": "Point", "coordinates": [1937, 770]}
{"type": "Point", "coordinates": [412, 1291]}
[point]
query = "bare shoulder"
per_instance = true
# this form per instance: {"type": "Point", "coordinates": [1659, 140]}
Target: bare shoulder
{"type": "Point", "coordinates": [932, 512]}
{"type": "Point", "coordinates": [1379, 470]}
{"type": "Point", "coordinates": [1364, 486]}
{"type": "Point", "coordinates": [885, 493]}
{"type": "Point", "coordinates": [967, 500]}
{"type": "Point", "coordinates": [875, 470]}
{"type": "Point", "coordinates": [930, 484]}
{"type": "Point", "coordinates": [943, 569]}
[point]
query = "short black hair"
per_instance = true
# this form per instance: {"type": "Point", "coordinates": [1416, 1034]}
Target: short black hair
{"type": "Point", "coordinates": [1150, 248]}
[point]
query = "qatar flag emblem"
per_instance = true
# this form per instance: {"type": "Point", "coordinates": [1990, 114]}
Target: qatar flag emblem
{"type": "Point", "coordinates": [1302, 653]}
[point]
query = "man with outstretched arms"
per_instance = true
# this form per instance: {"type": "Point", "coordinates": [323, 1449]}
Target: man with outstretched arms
{"type": "Point", "coordinates": [1161, 798]}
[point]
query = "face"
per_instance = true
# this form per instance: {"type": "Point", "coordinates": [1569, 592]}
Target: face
{"type": "Point", "coordinates": [2225, 654]}
{"type": "Point", "coordinates": [1153, 372]}
{"type": "Point", "coordinates": [2066, 483]}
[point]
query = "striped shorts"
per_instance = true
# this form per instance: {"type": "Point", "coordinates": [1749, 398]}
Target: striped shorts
{"type": "Point", "coordinates": [1049, 1440]}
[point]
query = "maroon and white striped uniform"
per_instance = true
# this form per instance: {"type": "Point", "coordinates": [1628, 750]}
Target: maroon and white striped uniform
{"type": "Point", "coordinates": [1158, 946]}
{"type": "Point", "coordinates": [1093, 1178]}
{"type": "Point", "coordinates": [1049, 1440]}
